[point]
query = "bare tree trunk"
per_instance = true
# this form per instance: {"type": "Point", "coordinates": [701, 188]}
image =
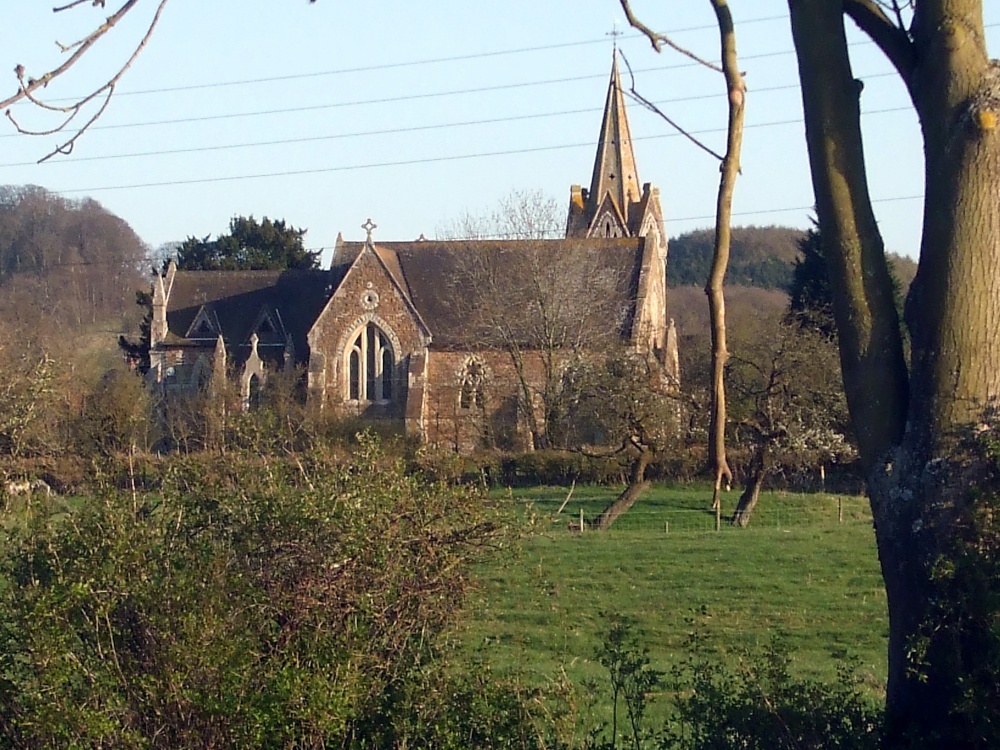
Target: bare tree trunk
{"type": "Point", "coordinates": [720, 258]}
{"type": "Point", "coordinates": [637, 485]}
{"type": "Point", "coordinates": [535, 430]}
{"type": "Point", "coordinates": [730, 169]}
{"type": "Point", "coordinates": [756, 472]}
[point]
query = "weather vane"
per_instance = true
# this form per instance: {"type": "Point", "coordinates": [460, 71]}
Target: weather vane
{"type": "Point", "coordinates": [615, 33]}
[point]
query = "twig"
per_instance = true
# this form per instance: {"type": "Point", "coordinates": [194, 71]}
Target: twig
{"type": "Point", "coordinates": [568, 496]}
{"type": "Point", "coordinates": [28, 86]}
{"type": "Point", "coordinates": [73, 4]}
{"type": "Point", "coordinates": [653, 108]}
{"type": "Point", "coordinates": [658, 40]}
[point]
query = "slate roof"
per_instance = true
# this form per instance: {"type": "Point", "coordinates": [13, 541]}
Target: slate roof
{"type": "Point", "coordinates": [436, 277]}
{"type": "Point", "coordinates": [236, 300]}
{"type": "Point", "coordinates": [600, 276]}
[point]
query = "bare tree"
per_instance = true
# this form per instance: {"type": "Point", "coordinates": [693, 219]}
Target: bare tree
{"type": "Point", "coordinates": [520, 215]}
{"type": "Point", "coordinates": [730, 168]}
{"type": "Point", "coordinates": [64, 264]}
{"type": "Point", "coordinates": [787, 402]}
{"type": "Point", "coordinates": [26, 390]}
{"type": "Point", "coordinates": [544, 305]}
{"type": "Point", "coordinates": [621, 403]}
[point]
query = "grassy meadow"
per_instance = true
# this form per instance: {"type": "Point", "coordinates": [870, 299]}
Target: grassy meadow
{"type": "Point", "coordinates": [798, 572]}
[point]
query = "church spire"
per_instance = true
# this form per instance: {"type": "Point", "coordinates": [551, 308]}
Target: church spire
{"type": "Point", "coordinates": [614, 168]}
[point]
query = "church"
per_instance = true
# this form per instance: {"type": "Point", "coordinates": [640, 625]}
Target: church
{"type": "Point", "coordinates": [453, 342]}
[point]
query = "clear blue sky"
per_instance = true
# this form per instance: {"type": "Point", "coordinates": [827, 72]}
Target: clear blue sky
{"type": "Point", "coordinates": [410, 113]}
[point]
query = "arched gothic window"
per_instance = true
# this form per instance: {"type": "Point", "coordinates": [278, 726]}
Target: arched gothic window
{"type": "Point", "coordinates": [254, 392]}
{"type": "Point", "coordinates": [606, 226]}
{"type": "Point", "coordinates": [201, 374]}
{"type": "Point", "coordinates": [370, 366]}
{"type": "Point", "coordinates": [472, 390]}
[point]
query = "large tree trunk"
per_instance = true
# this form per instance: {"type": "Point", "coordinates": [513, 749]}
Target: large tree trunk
{"type": "Point", "coordinates": [637, 484]}
{"type": "Point", "coordinates": [907, 427]}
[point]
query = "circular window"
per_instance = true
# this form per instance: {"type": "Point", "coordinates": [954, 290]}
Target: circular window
{"type": "Point", "coordinates": [369, 299]}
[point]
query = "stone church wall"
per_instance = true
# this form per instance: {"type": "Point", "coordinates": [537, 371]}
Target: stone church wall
{"type": "Point", "coordinates": [367, 294]}
{"type": "Point", "coordinates": [492, 420]}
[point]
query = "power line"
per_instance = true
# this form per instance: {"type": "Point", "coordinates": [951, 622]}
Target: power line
{"type": "Point", "coordinates": [411, 97]}
{"type": "Point", "coordinates": [451, 59]}
{"type": "Point", "coordinates": [422, 96]}
{"type": "Point", "coordinates": [417, 63]}
{"type": "Point", "coordinates": [432, 61]}
{"type": "Point", "coordinates": [381, 100]}
{"type": "Point", "coordinates": [424, 160]}
{"type": "Point", "coordinates": [391, 131]}
{"type": "Point", "coordinates": [396, 131]}
{"type": "Point", "coordinates": [790, 209]}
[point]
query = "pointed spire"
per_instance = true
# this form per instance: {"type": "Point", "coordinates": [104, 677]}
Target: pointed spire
{"type": "Point", "coordinates": [614, 168]}
{"type": "Point", "coordinates": [219, 360]}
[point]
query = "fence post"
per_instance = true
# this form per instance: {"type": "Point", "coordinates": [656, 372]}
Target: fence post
{"type": "Point", "coordinates": [581, 520]}
{"type": "Point", "coordinates": [840, 509]}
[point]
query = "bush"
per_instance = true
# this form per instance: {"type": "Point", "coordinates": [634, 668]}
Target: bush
{"type": "Point", "coordinates": [115, 416]}
{"type": "Point", "coordinates": [276, 605]}
{"type": "Point", "coordinates": [560, 468]}
{"type": "Point", "coordinates": [758, 705]}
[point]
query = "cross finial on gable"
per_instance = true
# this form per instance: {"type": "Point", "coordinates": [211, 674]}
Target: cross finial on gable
{"type": "Point", "coordinates": [368, 226]}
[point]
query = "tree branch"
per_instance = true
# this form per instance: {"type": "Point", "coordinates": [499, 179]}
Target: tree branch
{"type": "Point", "coordinates": [889, 36]}
{"type": "Point", "coordinates": [720, 257]}
{"type": "Point", "coordinates": [653, 108]}
{"type": "Point", "coordinates": [658, 40]}
{"type": "Point", "coordinates": [871, 350]}
{"type": "Point", "coordinates": [27, 86]}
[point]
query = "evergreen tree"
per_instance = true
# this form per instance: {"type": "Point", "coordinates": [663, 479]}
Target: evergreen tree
{"type": "Point", "coordinates": [249, 246]}
{"type": "Point", "coordinates": [810, 294]}
{"type": "Point", "coordinates": [811, 299]}
{"type": "Point", "coordinates": [136, 352]}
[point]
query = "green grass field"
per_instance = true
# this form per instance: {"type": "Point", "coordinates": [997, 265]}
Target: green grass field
{"type": "Point", "coordinates": [796, 572]}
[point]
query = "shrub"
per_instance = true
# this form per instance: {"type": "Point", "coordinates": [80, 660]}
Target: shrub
{"type": "Point", "coordinates": [560, 468]}
{"type": "Point", "coordinates": [276, 605]}
{"type": "Point", "coordinates": [115, 416]}
{"type": "Point", "coordinates": [758, 705]}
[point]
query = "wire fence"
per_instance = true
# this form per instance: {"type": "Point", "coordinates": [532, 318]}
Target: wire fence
{"type": "Point", "coordinates": [788, 512]}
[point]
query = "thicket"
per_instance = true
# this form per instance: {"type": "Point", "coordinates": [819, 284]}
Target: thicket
{"type": "Point", "coordinates": [261, 605]}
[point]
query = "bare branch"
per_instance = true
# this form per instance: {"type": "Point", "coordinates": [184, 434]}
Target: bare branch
{"type": "Point", "coordinates": [720, 257]}
{"type": "Point", "coordinates": [658, 40]}
{"type": "Point", "coordinates": [73, 4]}
{"type": "Point", "coordinates": [898, 10]}
{"type": "Point", "coordinates": [653, 108]}
{"type": "Point", "coordinates": [27, 86]}
{"type": "Point", "coordinates": [890, 37]}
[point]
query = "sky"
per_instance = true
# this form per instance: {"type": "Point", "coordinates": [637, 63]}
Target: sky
{"type": "Point", "coordinates": [412, 114]}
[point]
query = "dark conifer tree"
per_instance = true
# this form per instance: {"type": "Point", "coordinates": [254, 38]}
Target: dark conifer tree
{"type": "Point", "coordinates": [249, 246]}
